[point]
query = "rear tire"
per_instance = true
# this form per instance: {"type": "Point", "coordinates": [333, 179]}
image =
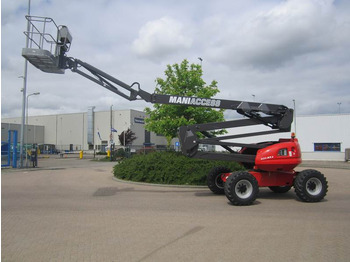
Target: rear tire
{"type": "Point", "coordinates": [214, 181]}
{"type": "Point", "coordinates": [241, 188]}
{"type": "Point", "coordinates": [280, 189]}
{"type": "Point", "coordinates": [310, 185]}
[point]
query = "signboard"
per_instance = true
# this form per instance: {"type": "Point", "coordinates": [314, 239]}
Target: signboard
{"type": "Point", "coordinates": [138, 120]}
{"type": "Point", "coordinates": [335, 147]}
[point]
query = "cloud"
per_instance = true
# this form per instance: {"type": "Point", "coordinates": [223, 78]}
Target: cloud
{"type": "Point", "coordinates": [160, 38]}
{"type": "Point", "coordinates": [277, 50]}
{"type": "Point", "coordinates": [273, 38]}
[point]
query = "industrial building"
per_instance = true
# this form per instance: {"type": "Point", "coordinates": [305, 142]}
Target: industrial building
{"type": "Point", "coordinates": [83, 131]}
{"type": "Point", "coordinates": [321, 137]}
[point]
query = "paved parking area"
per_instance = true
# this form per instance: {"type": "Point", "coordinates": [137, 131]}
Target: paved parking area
{"type": "Point", "coordinates": [73, 210]}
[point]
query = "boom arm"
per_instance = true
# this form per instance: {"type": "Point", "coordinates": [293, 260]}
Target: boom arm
{"type": "Point", "coordinates": [277, 117]}
{"type": "Point", "coordinates": [281, 115]}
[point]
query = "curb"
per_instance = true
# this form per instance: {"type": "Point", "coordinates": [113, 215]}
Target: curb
{"type": "Point", "coordinates": [156, 185]}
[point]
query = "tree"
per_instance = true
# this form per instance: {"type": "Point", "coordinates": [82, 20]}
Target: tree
{"type": "Point", "coordinates": [184, 80]}
{"type": "Point", "coordinates": [127, 137]}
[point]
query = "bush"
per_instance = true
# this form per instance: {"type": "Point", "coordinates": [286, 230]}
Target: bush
{"type": "Point", "coordinates": [120, 153]}
{"type": "Point", "coordinates": [168, 168]}
{"type": "Point", "coordinates": [100, 153]}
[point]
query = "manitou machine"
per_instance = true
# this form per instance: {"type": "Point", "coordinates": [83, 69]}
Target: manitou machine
{"type": "Point", "coordinates": [268, 164]}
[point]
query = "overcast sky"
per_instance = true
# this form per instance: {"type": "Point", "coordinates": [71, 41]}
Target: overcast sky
{"type": "Point", "coordinates": [268, 51]}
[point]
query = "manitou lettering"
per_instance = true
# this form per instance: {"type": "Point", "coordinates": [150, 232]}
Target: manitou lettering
{"type": "Point", "coordinates": [194, 101]}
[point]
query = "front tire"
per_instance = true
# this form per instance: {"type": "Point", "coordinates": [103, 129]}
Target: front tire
{"type": "Point", "coordinates": [241, 188]}
{"type": "Point", "coordinates": [310, 185]}
{"type": "Point", "coordinates": [215, 183]}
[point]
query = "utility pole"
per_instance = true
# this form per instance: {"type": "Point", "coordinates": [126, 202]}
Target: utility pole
{"type": "Point", "coordinates": [295, 118]}
{"type": "Point", "coordinates": [111, 135]}
{"type": "Point", "coordinates": [111, 124]}
{"type": "Point", "coordinates": [33, 94]}
{"type": "Point", "coordinates": [24, 95]}
{"type": "Point", "coordinates": [200, 59]}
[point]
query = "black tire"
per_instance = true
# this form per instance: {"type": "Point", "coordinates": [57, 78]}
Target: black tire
{"type": "Point", "coordinates": [280, 189]}
{"type": "Point", "coordinates": [310, 186]}
{"type": "Point", "coordinates": [241, 188]}
{"type": "Point", "coordinates": [214, 181]}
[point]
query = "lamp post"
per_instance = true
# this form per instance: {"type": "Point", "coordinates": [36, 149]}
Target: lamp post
{"type": "Point", "coordinates": [111, 125]}
{"type": "Point", "coordinates": [295, 118]}
{"type": "Point", "coordinates": [24, 90]}
{"type": "Point", "coordinates": [339, 103]}
{"type": "Point", "coordinates": [200, 59]}
{"type": "Point", "coordinates": [32, 94]}
{"type": "Point", "coordinates": [111, 134]}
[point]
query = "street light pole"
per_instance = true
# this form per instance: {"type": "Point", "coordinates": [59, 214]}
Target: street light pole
{"type": "Point", "coordinates": [111, 134]}
{"type": "Point", "coordinates": [339, 103]}
{"type": "Point", "coordinates": [200, 59]}
{"type": "Point", "coordinates": [295, 118]}
{"type": "Point", "coordinates": [111, 125]}
{"type": "Point", "coordinates": [24, 90]}
{"type": "Point", "coordinates": [33, 94]}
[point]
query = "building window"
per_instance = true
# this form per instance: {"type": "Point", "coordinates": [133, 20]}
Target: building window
{"type": "Point", "coordinates": [327, 147]}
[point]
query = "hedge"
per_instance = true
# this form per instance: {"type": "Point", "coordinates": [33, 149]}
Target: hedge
{"type": "Point", "coordinates": [168, 168]}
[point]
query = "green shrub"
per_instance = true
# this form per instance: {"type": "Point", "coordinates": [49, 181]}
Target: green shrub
{"type": "Point", "coordinates": [101, 153]}
{"type": "Point", "coordinates": [120, 153]}
{"type": "Point", "coordinates": [168, 168]}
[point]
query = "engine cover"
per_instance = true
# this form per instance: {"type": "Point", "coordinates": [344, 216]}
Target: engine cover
{"type": "Point", "coordinates": [284, 155]}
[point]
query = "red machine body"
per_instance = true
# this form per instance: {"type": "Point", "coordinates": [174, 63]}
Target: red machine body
{"type": "Point", "coordinates": [274, 164]}
{"type": "Point", "coordinates": [284, 155]}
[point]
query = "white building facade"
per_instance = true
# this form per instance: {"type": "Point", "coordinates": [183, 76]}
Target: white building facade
{"type": "Point", "coordinates": [324, 137]}
{"type": "Point", "coordinates": [321, 137]}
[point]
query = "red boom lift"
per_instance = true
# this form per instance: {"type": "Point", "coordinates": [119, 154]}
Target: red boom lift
{"type": "Point", "coordinates": [269, 164]}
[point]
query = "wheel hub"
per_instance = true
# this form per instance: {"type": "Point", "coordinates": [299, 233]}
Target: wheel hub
{"type": "Point", "coordinates": [313, 186]}
{"type": "Point", "coordinates": [243, 189]}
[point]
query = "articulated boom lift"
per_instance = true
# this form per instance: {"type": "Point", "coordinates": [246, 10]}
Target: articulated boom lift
{"type": "Point", "coordinates": [269, 164]}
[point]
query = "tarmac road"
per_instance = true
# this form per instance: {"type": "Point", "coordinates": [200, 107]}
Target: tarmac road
{"type": "Point", "coordinates": [73, 210]}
